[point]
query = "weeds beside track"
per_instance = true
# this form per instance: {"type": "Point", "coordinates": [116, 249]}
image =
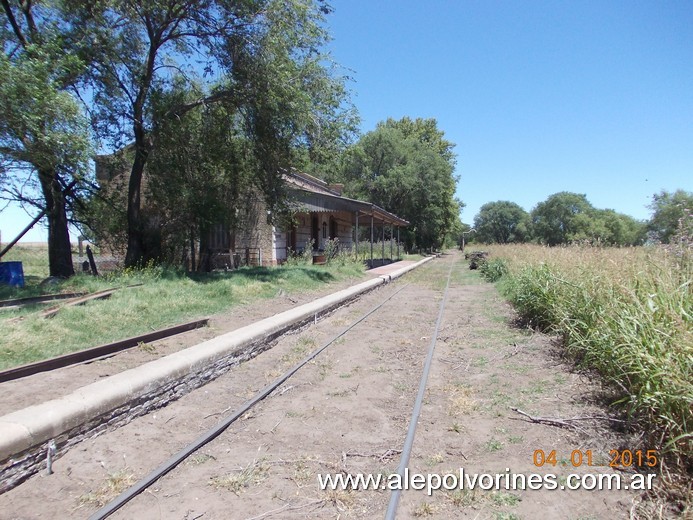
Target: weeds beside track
{"type": "Point", "coordinates": [624, 312]}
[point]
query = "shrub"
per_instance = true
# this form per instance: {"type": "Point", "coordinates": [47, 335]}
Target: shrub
{"type": "Point", "coordinates": [494, 269]}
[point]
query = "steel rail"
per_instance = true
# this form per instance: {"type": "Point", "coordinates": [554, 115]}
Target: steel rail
{"type": "Point", "coordinates": [210, 435]}
{"type": "Point", "coordinates": [19, 302]}
{"type": "Point", "coordinates": [411, 432]}
{"type": "Point", "coordinates": [94, 353]}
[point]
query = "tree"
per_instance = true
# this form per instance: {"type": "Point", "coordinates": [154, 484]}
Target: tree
{"type": "Point", "coordinates": [569, 217]}
{"type": "Point", "coordinates": [266, 56]}
{"type": "Point", "coordinates": [502, 222]}
{"type": "Point", "coordinates": [671, 213]}
{"type": "Point", "coordinates": [563, 217]}
{"type": "Point", "coordinates": [44, 143]}
{"type": "Point", "coordinates": [199, 172]}
{"type": "Point", "coordinates": [406, 167]}
{"type": "Point", "coordinates": [613, 228]}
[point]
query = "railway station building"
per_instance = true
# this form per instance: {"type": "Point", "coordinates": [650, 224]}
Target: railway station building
{"type": "Point", "coordinates": [322, 221]}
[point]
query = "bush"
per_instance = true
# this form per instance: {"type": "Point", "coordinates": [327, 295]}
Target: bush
{"type": "Point", "coordinates": [493, 270]}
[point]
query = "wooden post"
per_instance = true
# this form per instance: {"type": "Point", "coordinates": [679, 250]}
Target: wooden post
{"type": "Point", "coordinates": [398, 243]}
{"type": "Point", "coordinates": [92, 263]}
{"type": "Point", "coordinates": [382, 245]}
{"type": "Point", "coordinates": [371, 266]}
{"type": "Point", "coordinates": [392, 235]}
{"type": "Point", "coordinates": [356, 237]}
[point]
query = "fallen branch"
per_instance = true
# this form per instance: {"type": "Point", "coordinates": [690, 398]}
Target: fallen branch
{"type": "Point", "coordinates": [387, 454]}
{"type": "Point", "coordinates": [561, 423]}
{"type": "Point", "coordinates": [566, 422]}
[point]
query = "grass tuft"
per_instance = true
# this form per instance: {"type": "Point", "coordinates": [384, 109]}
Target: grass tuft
{"type": "Point", "coordinates": [114, 485]}
{"type": "Point", "coordinates": [236, 482]}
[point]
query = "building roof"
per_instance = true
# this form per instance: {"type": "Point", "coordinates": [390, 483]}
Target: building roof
{"type": "Point", "coordinates": [315, 195]}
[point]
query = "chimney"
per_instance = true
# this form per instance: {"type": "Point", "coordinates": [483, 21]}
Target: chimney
{"type": "Point", "coordinates": [338, 188]}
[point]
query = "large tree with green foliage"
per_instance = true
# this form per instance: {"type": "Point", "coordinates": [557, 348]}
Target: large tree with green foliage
{"type": "Point", "coordinates": [502, 222]}
{"type": "Point", "coordinates": [406, 167]}
{"type": "Point", "coordinates": [569, 217]}
{"type": "Point", "coordinates": [612, 228]}
{"type": "Point", "coordinates": [44, 143]}
{"type": "Point", "coordinates": [265, 58]}
{"type": "Point", "coordinates": [671, 214]}
{"type": "Point", "coordinates": [201, 170]}
{"type": "Point", "coordinates": [562, 218]}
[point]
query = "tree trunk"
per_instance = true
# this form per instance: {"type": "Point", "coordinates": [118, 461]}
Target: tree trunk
{"type": "Point", "coordinates": [135, 255]}
{"type": "Point", "coordinates": [59, 247]}
{"type": "Point", "coordinates": [205, 262]}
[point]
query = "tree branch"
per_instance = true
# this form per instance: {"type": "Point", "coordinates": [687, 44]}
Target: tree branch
{"type": "Point", "coordinates": [26, 8]}
{"type": "Point", "coordinates": [13, 22]}
{"type": "Point", "coordinates": [183, 109]}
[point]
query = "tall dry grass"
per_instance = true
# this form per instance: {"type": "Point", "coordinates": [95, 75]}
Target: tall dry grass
{"type": "Point", "coordinates": [626, 313]}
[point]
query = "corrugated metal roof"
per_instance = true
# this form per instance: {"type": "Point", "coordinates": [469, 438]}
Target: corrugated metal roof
{"type": "Point", "coordinates": [310, 201]}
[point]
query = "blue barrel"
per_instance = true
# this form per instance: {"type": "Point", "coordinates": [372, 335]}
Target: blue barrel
{"type": "Point", "coordinates": [12, 273]}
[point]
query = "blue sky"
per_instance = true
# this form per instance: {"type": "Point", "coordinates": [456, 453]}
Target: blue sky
{"type": "Point", "coordinates": [586, 96]}
{"type": "Point", "coordinates": [591, 97]}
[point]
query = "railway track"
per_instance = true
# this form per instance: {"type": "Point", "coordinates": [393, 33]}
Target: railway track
{"type": "Point", "coordinates": [183, 454]}
{"type": "Point", "coordinates": [380, 341]}
{"type": "Point", "coordinates": [418, 378]}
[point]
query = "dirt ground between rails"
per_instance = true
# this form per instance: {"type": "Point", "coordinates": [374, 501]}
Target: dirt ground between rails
{"type": "Point", "coordinates": [348, 412]}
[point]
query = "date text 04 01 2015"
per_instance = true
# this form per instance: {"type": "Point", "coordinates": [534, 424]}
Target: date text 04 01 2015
{"type": "Point", "coordinates": [617, 458]}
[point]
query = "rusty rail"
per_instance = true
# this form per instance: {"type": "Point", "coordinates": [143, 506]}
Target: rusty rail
{"type": "Point", "coordinates": [93, 353]}
{"type": "Point", "coordinates": [20, 302]}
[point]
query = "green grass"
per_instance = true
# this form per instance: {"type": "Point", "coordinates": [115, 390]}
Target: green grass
{"type": "Point", "coordinates": [35, 266]}
{"type": "Point", "coordinates": [167, 297]}
{"type": "Point", "coordinates": [626, 313]}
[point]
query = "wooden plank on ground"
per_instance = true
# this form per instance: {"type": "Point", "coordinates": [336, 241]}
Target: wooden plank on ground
{"type": "Point", "coordinates": [99, 295]}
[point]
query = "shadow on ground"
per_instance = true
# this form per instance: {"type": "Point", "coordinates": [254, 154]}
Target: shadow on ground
{"type": "Point", "coordinates": [263, 274]}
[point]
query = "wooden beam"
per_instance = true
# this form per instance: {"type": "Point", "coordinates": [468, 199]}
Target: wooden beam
{"type": "Point", "coordinates": [21, 302]}
{"type": "Point", "coordinates": [382, 245]}
{"type": "Point", "coordinates": [356, 238]}
{"type": "Point", "coordinates": [99, 295]}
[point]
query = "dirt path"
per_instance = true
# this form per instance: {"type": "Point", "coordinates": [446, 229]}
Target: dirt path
{"type": "Point", "coordinates": [348, 411]}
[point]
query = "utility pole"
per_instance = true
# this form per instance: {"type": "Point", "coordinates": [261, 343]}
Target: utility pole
{"type": "Point", "coordinates": [464, 233]}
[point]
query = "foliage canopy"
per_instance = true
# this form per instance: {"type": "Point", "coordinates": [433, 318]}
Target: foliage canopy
{"type": "Point", "coordinates": [671, 213]}
{"type": "Point", "coordinates": [406, 167]}
{"type": "Point", "coordinates": [502, 222]}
